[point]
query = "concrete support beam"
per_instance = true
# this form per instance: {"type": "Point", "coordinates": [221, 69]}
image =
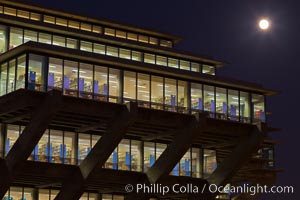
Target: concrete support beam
{"type": "Point", "coordinates": [183, 140]}
{"type": "Point", "coordinates": [99, 154]}
{"type": "Point", "coordinates": [30, 136]}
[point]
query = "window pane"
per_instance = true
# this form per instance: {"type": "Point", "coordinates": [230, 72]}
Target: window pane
{"type": "Point", "coordinates": [112, 162]}
{"type": "Point", "coordinates": [68, 148]}
{"type": "Point", "coordinates": [143, 38]}
{"type": "Point", "coordinates": [49, 19]}
{"type": "Point", "coordinates": [258, 104]}
{"type": "Point", "coordinates": [195, 67]}
{"type": "Point", "coordinates": [207, 69]}
{"type": "Point", "coordinates": [157, 88]}
{"type": "Point", "coordinates": [136, 155]}
{"type": "Point", "coordinates": [165, 43]}
{"type": "Point", "coordinates": [86, 46]}
{"type": "Point", "coordinates": [55, 73]}
{"type": "Point", "coordinates": [61, 22]}
{"type": "Point", "coordinates": [153, 41]}
{"type": "Point", "coordinates": [196, 163]}
{"type": "Point", "coordinates": [114, 85]}
{"type": "Point", "coordinates": [71, 43]}
{"type": "Point", "coordinates": [3, 79]}
{"type": "Point", "coordinates": [58, 149]}
{"type": "Point", "coordinates": [70, 78]}
{"type": "Point", "coordinates": [15, 38]}
{"type": "Point", "coordinates": [30, 36]}
{"type": "Point", "coordinates": [132, 36]}
{"type": "Point", "coordinates": [10, 11]}
{"type": "Point", "coordinates": [99, 48]}
{"type": "Point", "coordinates": [73, 24]}
{"type": "Point", "coordinates": [35, 16]}
{"type": "Point", "coordinates": [149, 155]}
{"type": "Point", "coordinates": [59, 41]}
{"type": "Point", "coordinates": [20, 82]}
{"type": "Point", "coordinates": [170, 95]}
{"type": "Point", "coordinates": [45, 38]}
{"type": "Point", "coordinates": [221, 104]}
{"type": "Point", "coordinates": [143, 90]}
{"type": "Point", "coordinates": [85, 27]}
{"type": "Point", "coordinates": [121, 34]}
{"type": "Point", "coordinates": [13, 133]}
{"type": "Point", "coordinates": [11, 76]}
{"type": "Point", "coordinates": [149, 58]}
{"type": "Point", "coordinates": [43, 151]}
{"type": "Point", "coordinates": [196, 97]}
{"type": "Point", "coordinates": [124, 157]}
{"type": "Point", "coordinates": [3, 39]}
{"type": "Point", "coordinates": [233, 105]}
{"type": "Point", "coordinates": [160, 60]}
{"type": "Point", "coordinates": [97, 29]}
{"type": "Point", "coordinates": [124, 53]}
{"type": "Point", "coordinates": [100, 83]}
{"type": "Point", "coordinates": [129, 93]}
{"type": "Point", "coordinates": [23, 14]}
{"type": "Point", "coordinates": [182, 97]}
{"type": "Point", "coordinates": [85, 83]}
{"type": "Point", "coordinates": [136, 56]}
{"type": "Point", "coordinates": [210, 162]}
{"type": "Point", "coordinates": [84, 146]}
{"type": "Point", "coordinates": [244, 107]}
{"type": "Point", "coordinates": [172, 62]}
{"type": "Point", "coordinates": [185, 164]}
{"type": "Point", "coordinates": [109, 31]}
{"type": "Point", "coordinates": [15, 193]}
{"type": "Point", "coordinates": [184, 65]}
{"type": "Point", "coordinates": [209, 99]}
{"type": "Point", "coordinates": [112, 51]}
{"type": "Point", "coordinates": [36, 79]}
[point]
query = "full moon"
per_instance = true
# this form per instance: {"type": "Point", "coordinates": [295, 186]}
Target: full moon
{"type": "Point", "coordinates": [264, 24]}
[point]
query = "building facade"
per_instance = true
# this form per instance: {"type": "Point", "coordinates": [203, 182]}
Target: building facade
{"type": "Point", "coordinates": [98, 61]}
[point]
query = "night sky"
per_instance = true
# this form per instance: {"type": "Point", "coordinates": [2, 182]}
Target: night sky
{"type": "Point", "coordinates": [227, 30]}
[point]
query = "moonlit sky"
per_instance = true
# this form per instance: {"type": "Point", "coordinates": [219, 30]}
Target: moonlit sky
{"type": "Point", "coordinates": [228, 30]}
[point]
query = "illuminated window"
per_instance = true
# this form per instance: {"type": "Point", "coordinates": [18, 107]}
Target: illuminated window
{"type": "Point", "coordinates": [114, 85]}
{"type": "Point", "coordinates": [153, 40]}
{"type": "Point", "coordinates": [258, 103]}
{"type": "Point", "coordinates": [20, 79]}
{"type": "Point", "coordinates": [196, 97]}
{"type": "Point", "coordinates": [99, 48]}
{"type": "Point", "coordinates": [112, 51]}
{"type": "Point", "coordinates": [184, 65]}
{"type": "Point", "coordinates": [207, 69]}
{"type": "Point", "coordinates": [121, 34]}
{"type": "Point", "coordinates": [129, 93]}
{"type": "Point", "coordinates": [59, 41]}
{"type": "Point", "coordinates": [143, 38]}
{"type": "Point", "coordinates": [165, 43]}
{"type": "Point", "coordinates": [1, 9]}
{"type": "Point", "coordinates": [160, 60]}
{"type": "Point", "coordinates": [195, 67]}
{"type": "Point", "coordinates": [35, 16]}
{"type": "Point", "coordinates": [11, 76]}
{"type": "Point", "coordinates": [124, 156]}
{"type": "Point", "coordinates": [10, 11]}
{"type": "Point", "coordinates": [182, 97]}
{"type": "Point", "coordinates": [30, 36]}
{"type": "Point", "coordinates": [149, 58]}
{"type": "Point", "coordinates": [210, 162]}
{"type": "Point", "coordinates": [49, 19]}
{"type": "Point", "coordinates": [137, 56]}
{"type": "Point", "coordinates": [173, 62]}
{"type": "Point", "coordinates": [100, 83]}
{"type": "Point", "coordinates": [244, 107]}
{"type": "Point", "coordinates": [73, 24]}
{"type": "Point", "coordinates": [70, 79]}
{"type": "Point", "coordinates": [45, 38]}
{"type": "Point", "coordinates": [97, 29]}
{"type": "Point", "coordinates": [221, 103]}
{"type": "Point", "coordinates": [3, 39]}
{"type": "Point", "coordinates": [16, 37]}
{"type": "Point", "coordinates": [86, 27]}
{"type": "Point", "coordinates": [132, 36]}
{"type": "Point", "coordinates": [233, 105]}
{"type": "Point", "coordinates": [86, 46]}
{"type": "Point", "coordinates": [109, 31]}
{"type": "Point", "coordinates": [143, 89]}
{"type": "Point", "coordinates": [85, 82]}
{"type": "Point", "coordinates": [55, 79]}
{"type": "Point", "coordinates": [71, 43]}
{"type": "Point", "coordinates": [157, 92]}
{"type": "Point", "coordinates": [3, 79]}
{"type": "Point", "coordinates": [124, 53]}
{"type": "Point", "coordinates": [170, 95]}
{"type": "Point", "coordinates": [23, 14]}
{"type": "Point", "coordinates": [61, 22]}
{"type": "Point", "coordinates": [209, 100]}
{"type": "Point", "coordinates": [36, 79]}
